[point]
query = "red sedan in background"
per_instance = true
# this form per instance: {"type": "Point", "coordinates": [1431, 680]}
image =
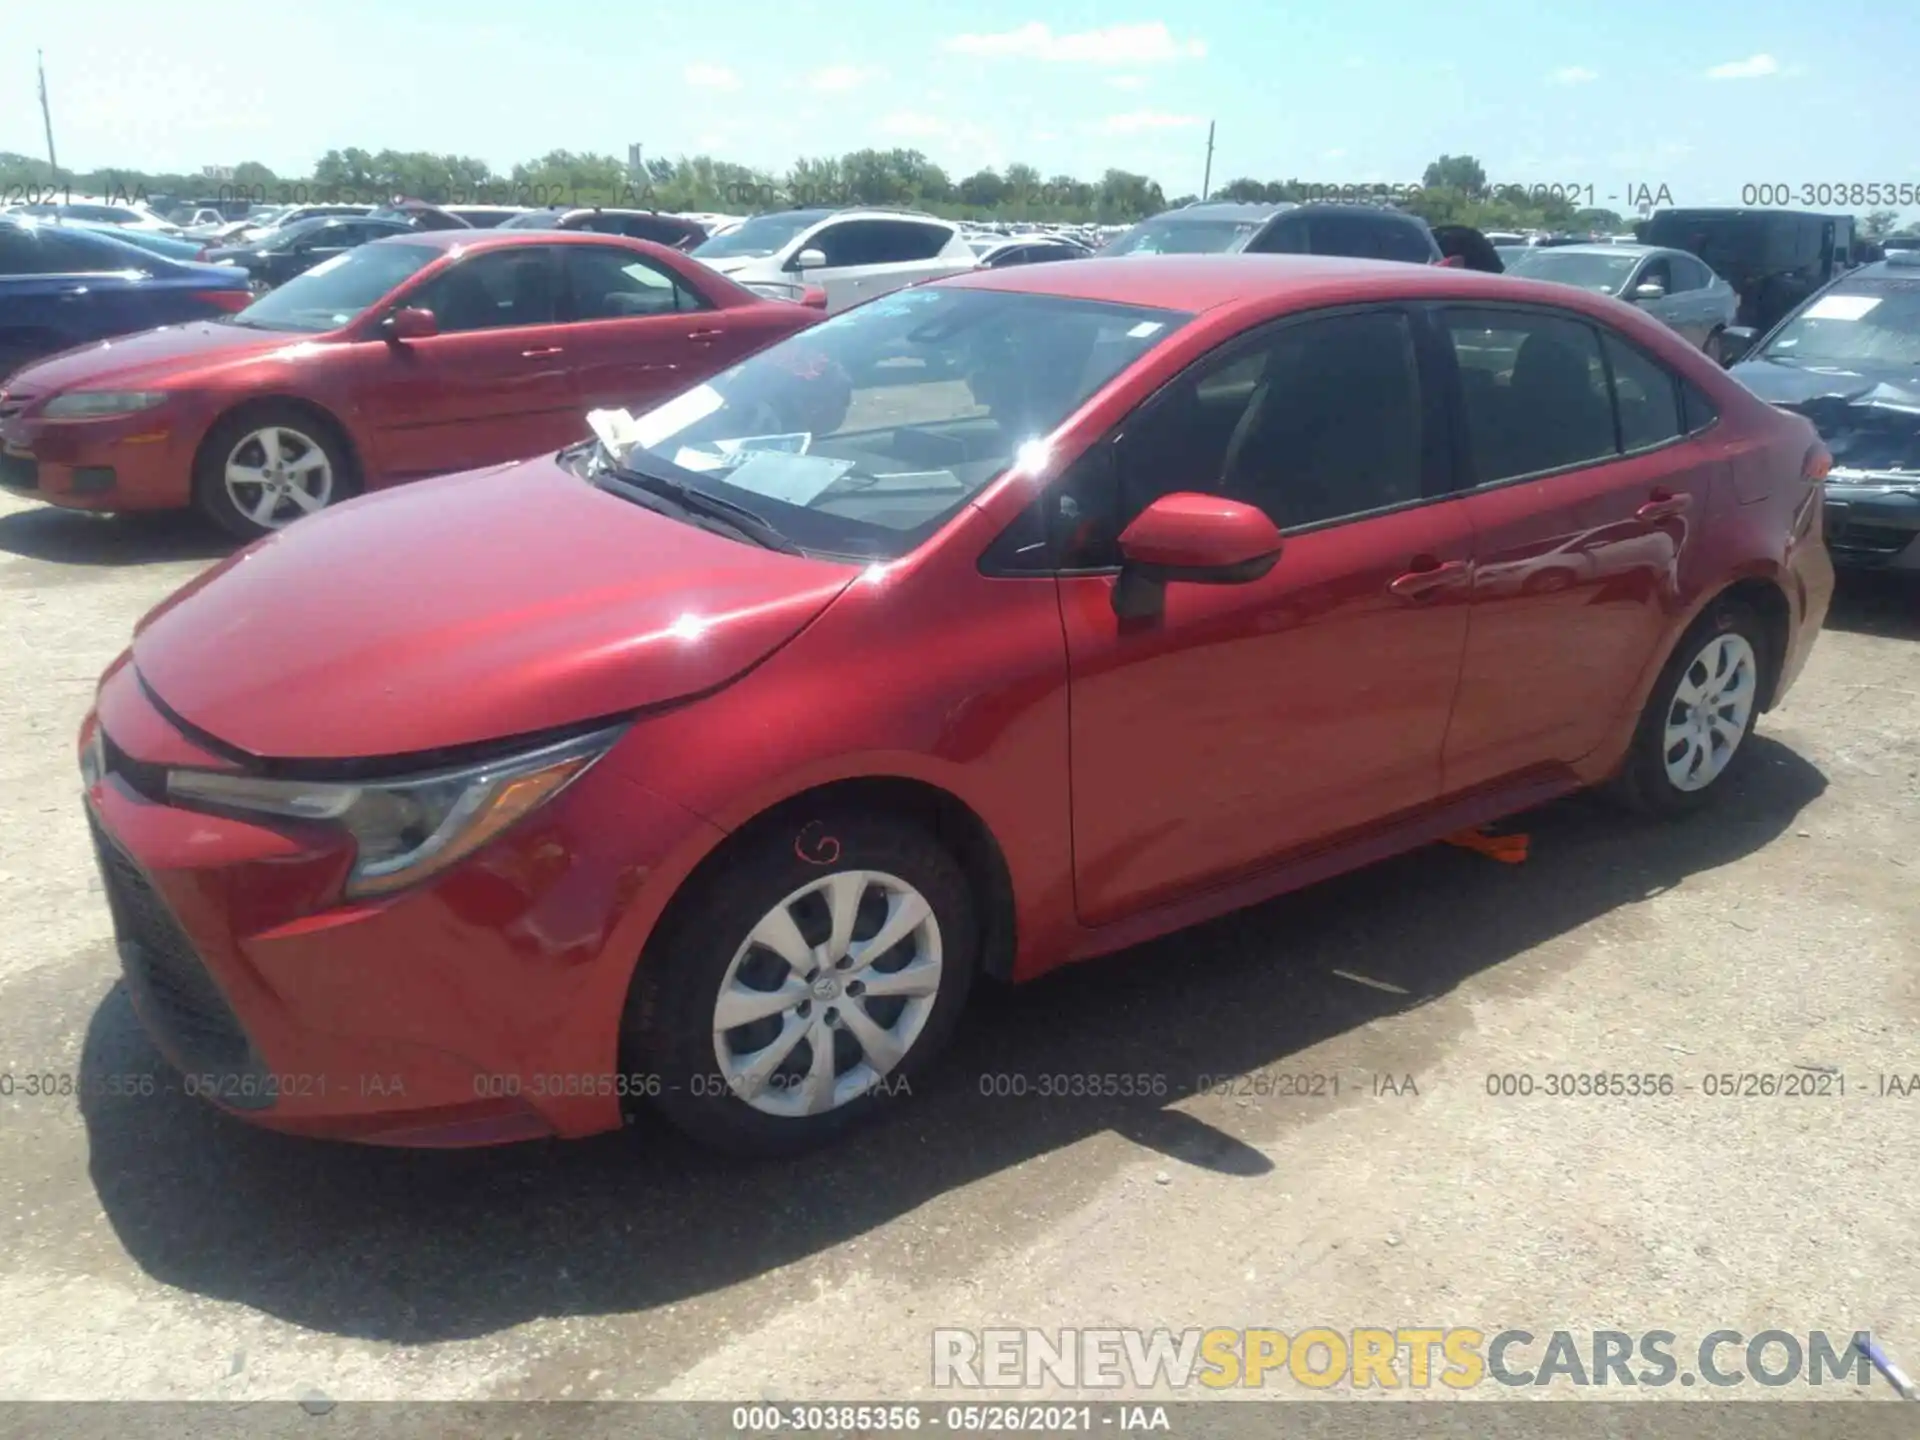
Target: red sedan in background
{"type": "Point", "coordinates": [404, 357]}
{"type": "Point", "coordinates": [708, 770]}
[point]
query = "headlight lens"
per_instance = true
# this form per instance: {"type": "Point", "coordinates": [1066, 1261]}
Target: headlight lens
{"type": "Point", "coordinates": [93, 756]}
{"type": "Point", "coordinates": [90, 404]}
{"type": "Point", "coordinates": [407, 829]}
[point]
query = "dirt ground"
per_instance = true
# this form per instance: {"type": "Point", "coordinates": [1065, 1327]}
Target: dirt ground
{"type": "Point", "coordinates": [155, 1249]}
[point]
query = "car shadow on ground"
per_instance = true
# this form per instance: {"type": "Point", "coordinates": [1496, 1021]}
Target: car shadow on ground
{"type": "Point", "coordinates": [1885, 603]}
{"type": "Point", "coordinates": [76, 537]}
{"type": "Point", "coordinates": [416, 1247]}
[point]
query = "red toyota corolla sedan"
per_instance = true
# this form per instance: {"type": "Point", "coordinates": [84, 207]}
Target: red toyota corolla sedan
{"type": "Point", "coordinates": [708, 768]}
{"type": "Point", "coordinates": [404, 357]}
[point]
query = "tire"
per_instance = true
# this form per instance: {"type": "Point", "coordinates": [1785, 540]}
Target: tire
{"type": "Point", "coordinates": [1725, 648]}
{"type": "Point", "coordinates": [312, 460]}
{"type": "Point", "coordinates": [671, 1025]}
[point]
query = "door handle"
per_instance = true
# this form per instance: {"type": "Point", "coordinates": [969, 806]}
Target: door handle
{"type": "Point", "coordinates": [1426, 576]}
{"type": "Point", "coordinates": [705, 334]}
{"type": "Point", "coordinates": [540, 353]}
{"type": "Point", "coordinates": [1662, 504]}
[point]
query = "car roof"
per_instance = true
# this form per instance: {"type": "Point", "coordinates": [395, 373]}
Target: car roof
{"type": "Point", "coordinates": [1228, 210]}
{"type": "Point", "coordinates": [1196, 283]}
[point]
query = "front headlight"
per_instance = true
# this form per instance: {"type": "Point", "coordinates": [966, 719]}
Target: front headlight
{"type": "Point", "coordinates": [407, 829]}
{"type": "Point", "coordinates": [91, 404]}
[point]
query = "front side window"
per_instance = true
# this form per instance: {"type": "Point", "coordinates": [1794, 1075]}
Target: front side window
{"type": "Point", "coordinates": [494, 290]}
{"type": "Point", "coordinates": [336, 291]}
{"type": "Point", "coordinates": [761, 236]}
{"type": "Point", "coordinates": [611, 284]}
{"type": "Point", "coordinates": [1603, 274]}
{"type": "Point", "coordinates": [1174, 235]}
{"type": "Point", "coordinates": [864, 434]}
{"type": "Point", "coordinates": [1534, 389]}
{"type": "Point", "coordinates": [1688, 273]}
{"type": "Point", "coordinates": [1851, 325]}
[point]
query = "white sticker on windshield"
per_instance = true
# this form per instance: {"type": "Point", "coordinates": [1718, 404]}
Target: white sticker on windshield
{"type": "Point", "coordinates": [796, 479]}
{"type": "Point", "coordinates": [1146, 328]}
{"type": "Point", "coordinates": [678, 413]}
{"type": "Point", "coordinates": [1840, 307]}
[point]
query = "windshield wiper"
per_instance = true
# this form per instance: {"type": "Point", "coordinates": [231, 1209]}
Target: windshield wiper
{"type": "Point", "coordinates": [749, 523]}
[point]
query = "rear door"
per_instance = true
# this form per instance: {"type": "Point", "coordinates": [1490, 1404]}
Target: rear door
{"type": "Point", "coordinates": [638, 331]}
{"type": "Point", "coordinates": [492, 385]}
{"type": "Point", "coordinates": [59, 288]}
{"type": "Point", "coordinates": [1587, 499]}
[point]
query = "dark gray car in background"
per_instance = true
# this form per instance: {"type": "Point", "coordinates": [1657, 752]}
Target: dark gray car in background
{"type": "Point", "coordinates": [1672, 286]}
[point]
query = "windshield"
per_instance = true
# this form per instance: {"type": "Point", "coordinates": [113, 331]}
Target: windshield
{"type": "Point", "coordinates": [761, 236]}
{"type": "Point", "coordinates": [863, 435]}
{"type": "Point", "coordinates": [1602, 273]}
{"type": "Point", "coordinates": [1171, 235]}
{"type": "Point", "coordinates": [335, 291]}
{"type": "Point", "coordinates": [1853, 326]}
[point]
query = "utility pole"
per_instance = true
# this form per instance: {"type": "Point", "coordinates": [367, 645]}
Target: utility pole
{"type": "Point", "coordinates": [47, 114]}
{"type": "Point", "coordinates": [1206, 180]}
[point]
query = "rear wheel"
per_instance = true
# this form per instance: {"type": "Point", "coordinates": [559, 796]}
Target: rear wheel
{"type": "Point", "coordinates": [1700, 714]}
{"type": "Point", "coordinates": [806, 984]}
{"type": "Point", "coordinates": [263, 468]}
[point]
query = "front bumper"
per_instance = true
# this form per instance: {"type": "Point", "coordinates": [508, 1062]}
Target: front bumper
{"type": "Point", "coordinates": [141, 461]}
{"type": "Point", "coordinates": [1873, 525]}
{"type": "Point", "coordinates": [480, 1007]}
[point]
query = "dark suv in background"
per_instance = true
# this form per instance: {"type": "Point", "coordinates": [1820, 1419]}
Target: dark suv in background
{"type": "Point", "coordinates": [1774, 259]}
{"type": "Point", "coordinates": [1364, 232]}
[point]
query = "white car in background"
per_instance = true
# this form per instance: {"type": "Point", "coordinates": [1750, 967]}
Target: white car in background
{"type": "Point", "coordinates": [853, 255]}
{"type": "Point", "coordinates": [127, 216]}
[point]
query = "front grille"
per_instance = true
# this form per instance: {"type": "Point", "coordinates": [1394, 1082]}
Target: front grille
{"type": "Point", "coordinates": [1864, 540]}
{"type": "Point", "coordinates": [19, 472]}
{"type": "Point", "coordinates": [171, 987]}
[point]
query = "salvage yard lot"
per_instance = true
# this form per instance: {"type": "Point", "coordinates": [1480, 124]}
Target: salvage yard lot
{"type": "Point", "coordinates": [155, 1249]}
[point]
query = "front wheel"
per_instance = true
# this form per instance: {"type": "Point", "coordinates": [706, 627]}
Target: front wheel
{"type": "Point", "coordinates": [806, 985]}
{"type": "Point", "coordinates": [1700, 714]}
{"type": "Point", "coordinates": [262, 469]}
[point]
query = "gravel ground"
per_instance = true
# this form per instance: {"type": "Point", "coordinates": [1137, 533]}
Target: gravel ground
{"type": "Point", "coordinates": [158, 1250]}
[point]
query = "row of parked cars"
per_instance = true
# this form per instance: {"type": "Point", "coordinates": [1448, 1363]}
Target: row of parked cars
{"type": "Point", "coordinates": [392, 308]}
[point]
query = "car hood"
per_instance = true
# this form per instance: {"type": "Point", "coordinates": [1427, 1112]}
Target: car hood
{"type": "Point", "coordinates": [161, 353]}
{"type": "Point", "coordinates": [1868, 416]}
{"type": "Point", "coordinates": [473, 607]}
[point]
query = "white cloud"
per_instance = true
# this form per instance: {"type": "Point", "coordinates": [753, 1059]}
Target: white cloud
{"type": "Point", "coordinates": [710, 77]}
{"type": "Point", "coordinates": [1753, 68]}
{"type": "Point", "coordinates": [914, 125]}
{"type": "Point", "coordinates": [1127, 82]}
{"type": "Point", "coordinates": [1574, 75]}
{"type": "Point", "coordinates": [1147, 44]}
{"type": "Point", "coordinates": [837, 79]}
{"type": "Point", "coordinates": [1333, 154]}
{"type": "Point", "coordinates": [1138, 121]}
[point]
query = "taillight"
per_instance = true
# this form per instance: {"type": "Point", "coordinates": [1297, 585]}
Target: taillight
{"type": "Point", "coordinates": [231, 301]}
{"type": "Point", "coordinates": [1818, 462]}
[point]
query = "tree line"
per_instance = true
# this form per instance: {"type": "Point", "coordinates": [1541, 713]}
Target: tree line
{"type": "Point", "coordinates": [1453, 189]}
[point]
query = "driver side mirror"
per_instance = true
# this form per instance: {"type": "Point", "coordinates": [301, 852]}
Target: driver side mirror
{"type": "Point", "coordinates": [410, 323]}
{"type": "Point", "coordinates": [1735, 342]}
{"type": "Point", "coordinates": [810, 260]}
{"type": "Point", "coordinates": [1652, 290]}
{"type": "Point", "coordinates": [1197, 539]}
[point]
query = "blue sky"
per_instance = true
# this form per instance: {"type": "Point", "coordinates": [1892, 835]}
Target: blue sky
{"type": "Point", "coordinates": [1703, 97]}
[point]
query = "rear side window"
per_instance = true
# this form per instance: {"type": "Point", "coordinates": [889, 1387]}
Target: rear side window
{"type": "Point", "coordinates": [1368, 237]}
{"type": "Point", "coordinates": [1534, 391]}
{"type": "Point", "coordinates": [1697, 411]}
{"type": "Point", "coordinates": [1648, 397]}
{"type": "Point", "coordinates": [608, 284]}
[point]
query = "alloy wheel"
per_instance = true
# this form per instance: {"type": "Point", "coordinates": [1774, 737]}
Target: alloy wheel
{"type": "Point", "coordinates": [1707, 718]}
{"type": "Point", "coordinates": [275, 474]}
{"type": "Point", "coordinates": [827, 994]}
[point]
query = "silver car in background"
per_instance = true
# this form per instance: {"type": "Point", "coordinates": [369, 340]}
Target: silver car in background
{"type": "Point", "coordinates": [1674, 287]}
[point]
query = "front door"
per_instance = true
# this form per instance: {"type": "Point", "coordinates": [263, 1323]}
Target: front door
{"type": "Point", "coordinates": [1583, 531]}
{"type": "Point", "coordinates": [1250, 720]}
{"type": "Point", "coordinates": [492, 385]}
